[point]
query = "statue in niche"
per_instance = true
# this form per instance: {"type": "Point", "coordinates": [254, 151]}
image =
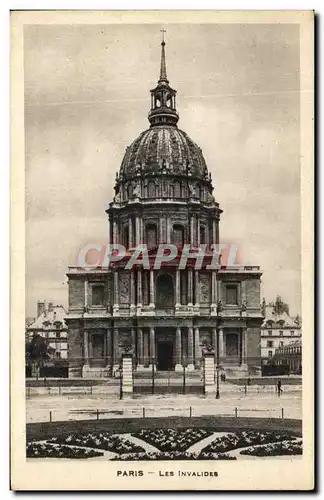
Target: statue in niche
{"type": "Point", "coordinates": [124, 290]}
{"type": "Point", "coordinates": [244, 305]}
{"type": "Point", "coordinates": [118, 197]}
{"type": "Point", "coordinates": [192, 191]}
{"type": "Point", "coordinates": [137, 191]}
{"type": "Point", "coordinates": [138, 170]}
{"type": "Point", "coordinates": [219, 307]}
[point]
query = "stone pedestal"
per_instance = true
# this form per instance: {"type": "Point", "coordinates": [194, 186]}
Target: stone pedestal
{"type": "Point", "coordinates": [127, 375]}
{"type": "Point", "coordinates": [209, 372]}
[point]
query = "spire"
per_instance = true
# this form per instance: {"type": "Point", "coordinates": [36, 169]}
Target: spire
{"type": "Point", "coordinates": [163, 73]}
{"type": "Point", "coordinates": [163, 98]}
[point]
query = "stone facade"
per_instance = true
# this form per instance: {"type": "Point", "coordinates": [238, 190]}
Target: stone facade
{"type": "Point", "coordinates": [164, 194]}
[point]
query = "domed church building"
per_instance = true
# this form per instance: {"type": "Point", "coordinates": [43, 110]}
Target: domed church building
{"type": "Point", "coordinates": [166, 315]}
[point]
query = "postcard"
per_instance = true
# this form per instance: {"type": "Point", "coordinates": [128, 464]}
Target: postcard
{"type": "Point", "coordinates": [162, 250]}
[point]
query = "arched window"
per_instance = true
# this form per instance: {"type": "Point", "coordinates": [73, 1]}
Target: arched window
{"type": "Point", "coordinates": [164, 291]}
{"type": "Point", "coordinates": [178, 235]}
{"type": "Point", "coordinates": [151, 189]}
{"type": "Point", "coordinates": [177, 189]}
{"type": "Point", "coordinates": [151, 235]}
{"type": "Point", "coordinates": [198, 191]}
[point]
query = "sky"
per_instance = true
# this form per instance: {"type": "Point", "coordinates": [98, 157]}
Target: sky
{"type": "Point", "coordinates": [87, 98]}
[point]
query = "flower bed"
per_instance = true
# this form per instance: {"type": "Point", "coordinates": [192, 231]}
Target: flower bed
{"type": "Point", "coordinates": [172, 440]}
{"type": "Point", "coordinates": [46, 450]}
{"type": "Point", "coordinates": [244, 439]}
{"type": "Point", "coordinates": [275, 449]}
{"type": "Point", "coordinates": [174, 455]}
{"type": "Point", "coordinates": [99, 440]}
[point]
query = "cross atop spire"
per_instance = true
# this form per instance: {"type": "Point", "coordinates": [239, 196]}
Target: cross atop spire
{"type": "Point", "coordinates": [163, 31]}
{"type": "Point", "coordinates": [163, 74]}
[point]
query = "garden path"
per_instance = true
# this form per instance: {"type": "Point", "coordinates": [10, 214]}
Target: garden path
{"type": "Point", "coordinates": [139, 442]}
{"type": "Point", "coordinates": [206, 441]}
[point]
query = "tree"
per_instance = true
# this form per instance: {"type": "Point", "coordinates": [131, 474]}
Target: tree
{"type": "Point", "coordinates": [37, 353]}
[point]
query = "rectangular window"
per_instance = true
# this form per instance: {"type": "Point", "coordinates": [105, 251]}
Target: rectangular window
{"type": "Point", "coordinates": [270, 343]}
{"type": "Point", "coordinates": [231, 294]}
{"type": "Point", "coordinates": [269, 354]}
{"type": "Point", "coordinates": [270, 333]}
{"type": "Point", "coordinates": [281, 343]}
{"type": "Point", "coordinates": [292, 332]}
{"type": "Point", "coordinates": [281, 333]}
{"type": "Point", "coordinates": [98, 295]}
{"type": "Point", "coordinates": [58, 335]}
{"type": "Point", "coordinates": [58, 355]}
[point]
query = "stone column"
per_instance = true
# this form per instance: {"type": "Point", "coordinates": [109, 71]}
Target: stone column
{"type": "Point", "coordinates": [140, 348]}
{"type": "Point", "coordinates": [244, 346]}
{"type": "Point", "coordinates": [168, 225]}
{"type": "Point", "coordinates": [141, 237]}
{"type": "Point", "coordinates": [197, 294]}
{"type": "Point", "coordinates": [115, 231]}
{"type": "Point", "coordinates": [109, 360]}
{"type": "Point", "coordinates": [221, 345]}
{"type": "Point", "coordinates": [86, 293]}
{"type": "Point", "coordinates": [192, 230]}
{"type": "Point", "coordinates": [190, 294]}
{"type": "Point", "coordinates": [116, 293]}
{"type": "Point", "coordinates": [215, 343]}
{"type": "Point", "coordinates": [116, 359]}
{"type": "Point", "coordinates": [139, 291]}
{"type": "Point", "coordinates": [217, 231]}
{"type": "Point", "coordinates": [190, 349]}
{"type": "Point", "coordinates": [197, 348]}
{"type": "Point", "coordinates": [137, 230]}
{"type": "Point", "coordinates": [133, 340]}
{"type": "Point", "coordinates": [177, 306]}
{"type": "Point", "coordinates": [214, 231]}
{"type": "Point", "coordinates": [132, 293]}
{"type": "Point", "coordinates": [130, 231]}
{"type": "Point", "coordinates": [146, 348]}
{"type": "Point", "coordinates": [198, 231]}
{"type": "Point", "coordinates": [214, 302]}
{"type": "Point", "coordinates": [178, 365]}
{"type": "Point", "coordinates": [152, 301]}
{"type": "Point", "coordinates": [86, 347]}
{"type": "Point", "coordinates": [161, 230]}
{"type": "Point", "coordinates": [152, 344]}
{"type": "Point", "coordinates": [90, 347]}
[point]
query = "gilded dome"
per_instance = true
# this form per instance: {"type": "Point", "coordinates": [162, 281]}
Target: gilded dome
{"type": "Point", "coordinates": [163, 149]}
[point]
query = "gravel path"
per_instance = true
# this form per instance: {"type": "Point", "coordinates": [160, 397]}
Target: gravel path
{"type": "Point", "coordinates": [197, 447]}
{"type": "Point", "coordinates": [139, 442]}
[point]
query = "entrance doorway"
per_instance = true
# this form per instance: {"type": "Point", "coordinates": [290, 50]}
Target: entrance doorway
{"type": "Point", "coordinates": [165, 356]}
{"type": "Point", "coordinates": [98, 347]}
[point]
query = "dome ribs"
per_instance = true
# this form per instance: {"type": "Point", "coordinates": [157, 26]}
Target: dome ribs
{"type": "Point", "coordinates": [160, 147]}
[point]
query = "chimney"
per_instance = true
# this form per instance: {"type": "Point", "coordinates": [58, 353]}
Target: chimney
{"type": "Point", "coordinates": [40, 308]}
{"type": "Point", "coordinates": [50, 307]}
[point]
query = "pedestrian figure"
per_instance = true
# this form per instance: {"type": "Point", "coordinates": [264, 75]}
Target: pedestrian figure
{"type": "Point", "coordinates": [249, 381]}
{"type": "Point", "coordinates": [279, 387]}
